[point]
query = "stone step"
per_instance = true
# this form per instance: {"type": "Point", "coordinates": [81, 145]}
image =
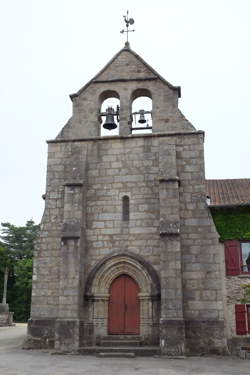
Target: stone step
{"type": "Point", "coordinates": [137, 350]}
{"type": "Point", "coordinates": [116, 355]}
{"type": "Point", "coordinates": [121, 337]}
{"type": "Point", "coordinates": [120, 343]}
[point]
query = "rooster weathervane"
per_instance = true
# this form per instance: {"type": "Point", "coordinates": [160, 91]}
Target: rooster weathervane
{"type": "Point", "coordinates": [128, 22]}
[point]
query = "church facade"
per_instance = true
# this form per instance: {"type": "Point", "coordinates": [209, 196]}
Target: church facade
{"type": "Point", "coordinates": [128, 246]}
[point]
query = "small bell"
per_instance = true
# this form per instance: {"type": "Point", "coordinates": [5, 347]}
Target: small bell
{"type": "Point", "coordinates": [110, 123]}
{"type": "Point", "coordinates": [142, 119]}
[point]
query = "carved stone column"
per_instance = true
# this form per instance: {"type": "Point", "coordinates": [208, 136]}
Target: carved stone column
{"type": "Point", "coordinates": [100, 313]}
{"type": "Point", "coordinates": [145, 315]}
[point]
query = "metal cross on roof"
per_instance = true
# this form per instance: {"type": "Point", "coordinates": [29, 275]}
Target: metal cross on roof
{"type": "Point", "coordinates": [128, 21]}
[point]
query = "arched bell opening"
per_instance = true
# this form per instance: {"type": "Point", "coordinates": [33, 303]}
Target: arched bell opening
{"type": "Point", "coordinates": [109, 111]}
{"type": "Point", "coordinates": [141, 112]}
{"type": "Point", "coordinates": [142, 282]}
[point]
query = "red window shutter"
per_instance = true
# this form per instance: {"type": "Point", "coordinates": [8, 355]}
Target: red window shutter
{"type": "Point", "coordinates": [232, 258]}
{"type": "Point", "coordinates": [248, 317]}
{"type": "Point", "coordinates": [240, 319]}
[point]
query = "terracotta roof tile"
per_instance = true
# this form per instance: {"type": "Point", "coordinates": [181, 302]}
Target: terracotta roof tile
{"type": "Point", "coordinates": [229, 192]}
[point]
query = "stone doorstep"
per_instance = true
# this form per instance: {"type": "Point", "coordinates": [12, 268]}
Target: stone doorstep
{"type": "Point", "coordinates": [171, 357]}
{"type": "Point", "coordinates": [120, 340]}
{"type": "Point", "coordinates": [121, 337]}
{"type": "Point", "coordinates": [127, 343]}
{"type": "Point", "coordinates": [136, 350]}
{"type": "Point", "coordinates": [116, 355]}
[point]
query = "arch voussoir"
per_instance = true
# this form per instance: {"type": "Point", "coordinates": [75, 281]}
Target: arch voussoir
{"type": "Point", "coordinates": [117, 266]}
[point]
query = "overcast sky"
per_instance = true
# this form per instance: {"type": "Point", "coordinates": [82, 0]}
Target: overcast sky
{"type": "Point", "coordinates": [51, 48]}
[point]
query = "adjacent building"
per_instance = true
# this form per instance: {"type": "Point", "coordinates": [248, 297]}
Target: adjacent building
{"type": "Point", "coordinates": [230, 208]}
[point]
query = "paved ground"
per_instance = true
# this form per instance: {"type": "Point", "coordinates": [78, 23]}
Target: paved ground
{"type": "Point", "coordinates": [15, 361]}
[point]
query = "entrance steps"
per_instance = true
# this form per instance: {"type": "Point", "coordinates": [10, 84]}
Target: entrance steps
{"type": "Point", "coordinates": [117, 346]}
{"type": "Point", "coordinates": [120, 340]}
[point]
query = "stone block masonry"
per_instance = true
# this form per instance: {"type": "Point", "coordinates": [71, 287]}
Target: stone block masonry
{"type": "Point", "coordinates": [169, 226]}
{"type": "Point", "coordinates": [131, 205]}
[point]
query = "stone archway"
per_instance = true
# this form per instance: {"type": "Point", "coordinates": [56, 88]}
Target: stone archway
{"type": "Point", "coordinates": [97, 294]}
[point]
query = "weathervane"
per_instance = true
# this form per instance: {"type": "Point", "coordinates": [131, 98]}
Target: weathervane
{"type": "Point", "coordinates": [128, 21]}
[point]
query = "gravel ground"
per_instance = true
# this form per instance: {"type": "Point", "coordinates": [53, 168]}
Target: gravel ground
{"type": "Point", "coordinates": [15, 361]}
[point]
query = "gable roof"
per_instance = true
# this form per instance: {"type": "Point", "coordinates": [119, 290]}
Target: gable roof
{"type": "Point", "coordinates": [127, 48]}
{"type": "Point", "coordinates": [229, 192]}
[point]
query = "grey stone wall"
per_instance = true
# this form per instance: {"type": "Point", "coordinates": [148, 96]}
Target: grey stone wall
{"type": "Point", "coordinates": [234, 296]}
{"type": "Point", "coordinates": [86, 103]}
{"type": "Point", "coordinates": [83, 223]}
{"type": "Point", "coordinates": [169, 225]}
{"type": "Point", "coordinates": [202, 268]}
{"type": "Point", "coordinates": [117, 168]}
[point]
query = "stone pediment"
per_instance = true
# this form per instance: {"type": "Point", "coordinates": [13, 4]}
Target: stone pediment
{"type": "Point", "coordinates": [126, 65]}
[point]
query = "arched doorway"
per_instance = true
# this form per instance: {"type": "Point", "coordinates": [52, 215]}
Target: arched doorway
{"type": "Point", "coordinates": [99, 285]}
{"type": "Point", "coordinates": [124, 307]}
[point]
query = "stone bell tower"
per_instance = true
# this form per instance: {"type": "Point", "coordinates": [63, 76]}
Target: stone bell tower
{"type": "Point", "coordinates": [127, 245]}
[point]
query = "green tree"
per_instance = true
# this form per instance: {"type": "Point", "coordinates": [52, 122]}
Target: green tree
{"type": "Point", "coordinates": [4, 271]}
{"type": "Point", "coordinates": [21, 297]}
{"type": "Point", "coordinates": [19, 241]}
{"type": "Point", "coordinates": [16, 259]}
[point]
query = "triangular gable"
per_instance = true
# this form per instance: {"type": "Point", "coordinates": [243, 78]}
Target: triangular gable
{"type": "Point", "coordinates": [126, 67]}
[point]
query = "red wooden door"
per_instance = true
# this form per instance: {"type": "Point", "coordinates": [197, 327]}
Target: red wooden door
{"type": "Point", "coordinates": [124, 308]}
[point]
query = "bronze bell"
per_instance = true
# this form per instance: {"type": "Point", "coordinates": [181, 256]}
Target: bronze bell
{"type": "Point", "coordinates": [110, 122]}
{"type": "Point", "coordinates": [142, 119]}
